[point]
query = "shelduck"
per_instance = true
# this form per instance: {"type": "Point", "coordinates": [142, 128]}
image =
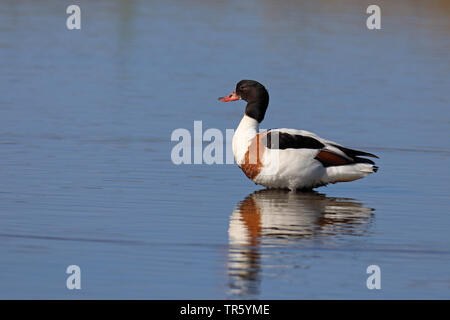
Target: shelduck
{"type": "Point", "coordinates": [289, 158]}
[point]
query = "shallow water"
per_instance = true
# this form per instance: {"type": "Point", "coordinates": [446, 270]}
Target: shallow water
{"type": "Point", "coordinates": [87, 178]}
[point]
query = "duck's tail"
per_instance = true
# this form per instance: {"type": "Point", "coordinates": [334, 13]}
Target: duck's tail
{"type": "Point", "coordinates": [350, 172]}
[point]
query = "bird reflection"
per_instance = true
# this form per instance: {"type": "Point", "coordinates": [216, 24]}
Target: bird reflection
{"type": "Point", "coordinates": [271, 218]}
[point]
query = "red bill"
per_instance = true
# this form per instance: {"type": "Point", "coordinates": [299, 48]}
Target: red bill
{"type": "Point", "coordinates": [231, 97]}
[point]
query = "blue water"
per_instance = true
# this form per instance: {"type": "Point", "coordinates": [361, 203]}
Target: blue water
{"type": "Point", "coordinates": [86, 176]}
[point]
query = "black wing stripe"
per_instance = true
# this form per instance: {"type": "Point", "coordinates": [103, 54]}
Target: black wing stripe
{"type": "Point", "coordinates": [354, 153]}
{"type": "Point", "coordinates": [290, 141]}
{"type": "Point", "coordinates": [363, 160]}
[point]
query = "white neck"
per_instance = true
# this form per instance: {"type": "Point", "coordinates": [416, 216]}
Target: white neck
{"type": "Point", "coordinates": [248, 128]}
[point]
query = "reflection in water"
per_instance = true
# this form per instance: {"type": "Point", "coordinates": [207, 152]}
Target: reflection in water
{"type": "Point", "coordinates": [270, 218]}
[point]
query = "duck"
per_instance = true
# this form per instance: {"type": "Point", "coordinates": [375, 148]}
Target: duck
{"type": "Point", "coordinates": [271, 218]}
{"type": "Point", "coordinates": [292, 159]}
{"type": "Point", "coordinates": [275, 215]}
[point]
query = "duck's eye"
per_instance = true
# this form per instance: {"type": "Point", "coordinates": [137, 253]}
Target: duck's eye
{"type": "Point", "coordinates": [243, 88]}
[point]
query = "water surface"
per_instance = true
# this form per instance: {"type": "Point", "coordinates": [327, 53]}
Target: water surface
{"type": "Point", "coordinates": [87, 179]}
